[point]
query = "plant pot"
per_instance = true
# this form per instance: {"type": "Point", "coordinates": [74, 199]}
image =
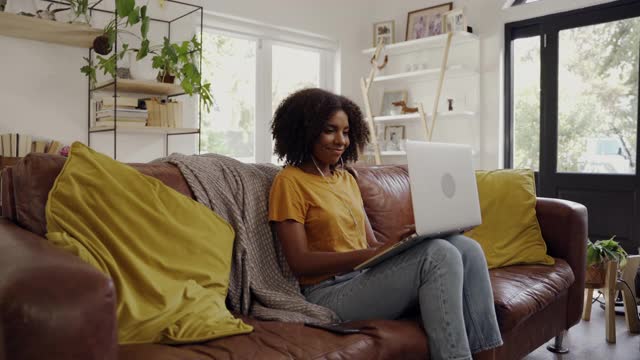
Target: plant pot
{"type": "Point", "coordinates": [141, 69]}
{"type": "Point", "coordinates": [595, 276]}
{"type": "Point", "coordinates": [167, 78]}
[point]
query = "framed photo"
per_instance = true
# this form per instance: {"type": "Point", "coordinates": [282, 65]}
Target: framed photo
{"type": "Point", "coordinates": [384, 31]}
{"type": "Point", "coordinates": [393, 136]}
{"type": "Point", "coordinates": [455, 21]}
{"type": "Point", "coordinates": [427, 22]}
{"type": "Point", "coordinates": [389, 98]}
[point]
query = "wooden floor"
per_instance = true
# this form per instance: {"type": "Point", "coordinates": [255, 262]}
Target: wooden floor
{"type": "Point", "coordinates": [586, 341]}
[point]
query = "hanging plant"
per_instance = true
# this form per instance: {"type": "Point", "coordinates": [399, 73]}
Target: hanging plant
{"type": "Point", "coordinates": [169, 58]}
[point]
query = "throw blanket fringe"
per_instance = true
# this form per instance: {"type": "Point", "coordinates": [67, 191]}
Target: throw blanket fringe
{"type": "Point", "coordinates": [261, 284]}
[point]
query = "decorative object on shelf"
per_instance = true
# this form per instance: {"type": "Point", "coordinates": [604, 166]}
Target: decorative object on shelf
{"type": "Point", "coordinates": [455, 20]}
{"type": "Point", "coordinates": [48, 14]}
{"type": "Point", "coordinates": [450, 101]}
{"type": "Point", "coordinates": [388, 98]}
{"type": "Point", "coordinates": [404, 109]}
{"type": "Point", "coordinates": [599, 253]}
{"type": "Point", "coordinates": [80, 11]}
{"type": "Point", "coordinates": [141, 69]}
{"type": "Point", "coordinates": [123, 73]}
{"type": "Point", "coordinates": [170, 59]}
{"type": "Point", "coordinates": [380, 66]}
{"type": "Point", "coordinates": [426, 22]}
{"type": "Point", "coordinates": [385, 32]}
{"type": "Point", "coordinates": [393, 136]}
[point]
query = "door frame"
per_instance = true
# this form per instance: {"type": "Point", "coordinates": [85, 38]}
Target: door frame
{"type": "Point", "coordinates": [548, 180]}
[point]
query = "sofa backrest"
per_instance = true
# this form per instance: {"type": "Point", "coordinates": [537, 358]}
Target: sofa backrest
{"type": "Point", "coordinates": [387, 200]}
{"type": "Point", "coordinates": [26, 186]}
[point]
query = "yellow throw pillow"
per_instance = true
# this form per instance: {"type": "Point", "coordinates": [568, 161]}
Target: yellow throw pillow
{"type": "Point", "coordinates": [510, 233]}
{"type": "Point", "coordinates": [169, 256]}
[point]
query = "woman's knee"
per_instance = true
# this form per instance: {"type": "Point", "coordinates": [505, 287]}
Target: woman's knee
{"type": "Point", "coordinates": [442, 253]}
{"type": "Point", "coordinates": [468, 248]}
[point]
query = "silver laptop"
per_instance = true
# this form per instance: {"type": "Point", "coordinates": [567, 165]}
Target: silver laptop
{"type": "Point", "coordinates": [444, 194]}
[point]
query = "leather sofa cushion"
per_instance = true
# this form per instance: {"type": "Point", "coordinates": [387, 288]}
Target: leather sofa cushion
{"type": "Point", "coordinates": [520, 291]}
{"type": "Point", "coordinates": [34, 176]}
{"type": "Point", "coordinates": [387, 200]}
{"type": "Point", "coordinates": [381, 339]}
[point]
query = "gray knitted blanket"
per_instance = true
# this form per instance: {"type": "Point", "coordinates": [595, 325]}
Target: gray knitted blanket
{"type": "Point", "coordinates": [261, 283]}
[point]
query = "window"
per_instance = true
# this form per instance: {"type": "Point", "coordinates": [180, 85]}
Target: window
{"type": "Point", "coordinates": [598, 97]}
{"type": "Point", "coordinates": [292, 69]}
{"type": "Point", "coordinates": [526, 98]}
{"type": "Point", "coordinates": [229, 64]}
{"type": "Point", "coordinates": [251, 70]}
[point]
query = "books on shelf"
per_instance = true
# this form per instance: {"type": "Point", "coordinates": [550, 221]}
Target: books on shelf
{"type": "Point", "coordinates": [164, 114]}
{"type": "Point", "coordinates": [39, 146]}
{"type": "Point", "coordinates": [122, 102]}
{"type": "Point", "coordinates": [120, 123]}
{"type": "Point", "coordinates": [54, 147]}
{"type": "Point", "coordinates": [20, 145]}
{"type": "Point", "coordinates": [122, 114]}
{"type": "Point", "coordinates": [6, 144]}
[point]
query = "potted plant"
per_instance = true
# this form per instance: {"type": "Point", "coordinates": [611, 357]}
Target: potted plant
{"type": "Point", "coordinates": [172, 60]}
{"type": "Point", "coordinates": [80, 11]}
{"type": "Point", "coordinates": [598, 254]}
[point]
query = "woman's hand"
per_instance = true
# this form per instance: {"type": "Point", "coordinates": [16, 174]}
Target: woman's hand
{"type": "Point", "coordinates": [304, 262]}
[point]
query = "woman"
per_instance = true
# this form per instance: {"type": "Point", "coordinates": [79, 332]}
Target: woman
{"type": "Point", "coordinates": [318, 214]}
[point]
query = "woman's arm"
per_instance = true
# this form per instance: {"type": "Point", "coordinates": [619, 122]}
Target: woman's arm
{"type": "Point", "coordinates": [371, 237]}
{"type": "Point", "coordinates": [293, 238]}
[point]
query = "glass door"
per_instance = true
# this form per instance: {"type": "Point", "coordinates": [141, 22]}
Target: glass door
{"type": "Point", "coordinates": [571, 112]}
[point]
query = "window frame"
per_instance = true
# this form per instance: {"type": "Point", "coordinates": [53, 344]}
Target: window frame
{"type": "Point", "coordinates": [266, 36]}
{"type": "Point", "coordinates": [548, 28]}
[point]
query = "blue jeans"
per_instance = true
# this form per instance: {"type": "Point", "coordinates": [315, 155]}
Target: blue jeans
{"type": "Point", "coordinates": [447, 278]}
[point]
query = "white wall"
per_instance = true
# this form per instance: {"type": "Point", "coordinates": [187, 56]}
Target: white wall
{"type": "Point", "coordinates": [42, 91]}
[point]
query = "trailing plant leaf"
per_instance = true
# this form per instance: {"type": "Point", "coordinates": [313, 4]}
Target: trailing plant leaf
{"type": "Point", "coordinates": [144, 26]}
{"type": "Point", "coordinates": [89, 71]}
{"type": "Point", "coordinates": [144, 49]}
{"type": "Point", "coordinates": [125, 7]}
{"type": "Point", "coordinates": [134, 16]}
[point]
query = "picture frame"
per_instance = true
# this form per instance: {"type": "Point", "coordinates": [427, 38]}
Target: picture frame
{"type": "Point", "coordinates": [388, 98]}
{"type": "Point", "coordinates": [427, 22]}
{"type": "Point", "coordinates": [455, 20]}
{"type": "Point", "coordinates": [385, 31]}
{"type": "Point", "coordinates": [393, 136]}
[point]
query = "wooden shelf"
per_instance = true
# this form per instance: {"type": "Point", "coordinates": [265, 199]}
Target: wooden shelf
{"type": "Point", "coordinates": [393, 153]}
{"type": "Point", "coordinates": [141, 87]}
{"type": "Point", "coordinates": [416, 116]}
{"type": "Point", "coordinates": [32, 28]}
{"type": "Point", "coordinates": [454, 71]}
{"type": "Point", "coordinates": [404, 47]}
{"type": "Point", "coordinates": [145, 130]}
{"type": "Point", "coordinates": [474, 152]}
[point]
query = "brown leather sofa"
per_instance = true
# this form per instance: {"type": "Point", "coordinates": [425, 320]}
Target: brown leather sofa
{"type": "Point", "coordinates": [55, 306]}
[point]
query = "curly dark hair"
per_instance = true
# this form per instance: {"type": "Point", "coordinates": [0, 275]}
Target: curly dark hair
{"type": "Point", "coordinates": [301, 118]}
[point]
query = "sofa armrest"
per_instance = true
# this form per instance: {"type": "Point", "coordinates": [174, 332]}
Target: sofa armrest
{"type": "Point", "coordinates": [52, 304]}
{"type": "Point", "coordinates": [564, 226]}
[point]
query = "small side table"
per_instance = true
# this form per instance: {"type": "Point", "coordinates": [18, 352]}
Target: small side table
{"type": "Point", "coordinates": [610, 289]}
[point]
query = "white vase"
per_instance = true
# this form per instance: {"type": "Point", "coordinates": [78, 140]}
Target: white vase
{"type": "Point", "coordinates": [141, 69]}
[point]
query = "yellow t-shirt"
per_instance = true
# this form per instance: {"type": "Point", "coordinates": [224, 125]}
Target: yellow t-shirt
{"type": "Point", "coordinates": [322, 205]}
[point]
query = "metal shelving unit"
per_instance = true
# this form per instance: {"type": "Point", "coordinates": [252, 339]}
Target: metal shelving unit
{"type": "Point", "coordinates": [144, 89]}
